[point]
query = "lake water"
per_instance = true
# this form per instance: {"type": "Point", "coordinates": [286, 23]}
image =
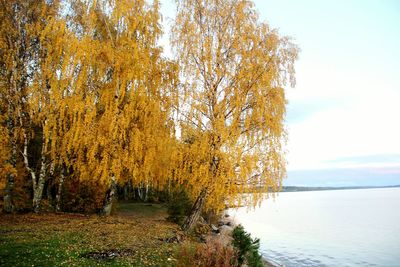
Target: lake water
{"type": "Point", "coordinates": [328, 228]}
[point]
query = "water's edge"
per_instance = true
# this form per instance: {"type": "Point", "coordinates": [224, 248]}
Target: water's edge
{"type": "Point", "coordinates": [268, 262]}
{"type": "Point", "coordinates": [227, 217]}
{"type": "Point", "coordinates": [324, 232]}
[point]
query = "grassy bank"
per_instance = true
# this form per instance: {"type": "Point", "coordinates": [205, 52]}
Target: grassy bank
{"type": "Point", "coordinates": [137, 235]}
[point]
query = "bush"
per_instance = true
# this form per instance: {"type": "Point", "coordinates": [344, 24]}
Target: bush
{"type": "Point", "coordinates": [82, 196]}
{"type": "Point", "coordinates": [201, 229]}
{"type": "Point", "coordinates": [21, 194]}
{"type": "Point", "coordinates": [211, 254]}
{"type": "Point", "coordinates": [247, 247]}
{"type": "Point", "coordinates": [179, 206]}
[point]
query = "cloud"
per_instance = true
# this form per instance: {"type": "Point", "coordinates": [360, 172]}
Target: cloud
{"type": "Point", "coordinates": [387, 170]}
{"type": "Point", "coordinates": [301, 110]}
{"type": "Point", "coordinates": [384, 160]}
{"type": "Point", "coordinates": [366, 127]}
{"type": "Point", "coordinates": [344, 177]}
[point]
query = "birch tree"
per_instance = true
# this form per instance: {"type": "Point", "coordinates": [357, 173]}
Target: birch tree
{"type": "Point", "coordinates": [13, 86]}
{"type": "Point", "coordinates": [86, 81]}
{"type": "Point", "coordinates": [119, 103]}
{"type": "Point", "coordinates": [22, 23]}
{"type": "Point", "coordinates": [234, 69]}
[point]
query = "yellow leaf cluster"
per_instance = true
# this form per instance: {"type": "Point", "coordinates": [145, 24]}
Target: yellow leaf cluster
{"type": "Point", "coordinates": [92, 79]}
{"type": "Point", "coordinates": [114, 108]}
{"type": "Point", "coordinates": [234, 69]}
{"type": "Point", "coordinates": [90, 76]}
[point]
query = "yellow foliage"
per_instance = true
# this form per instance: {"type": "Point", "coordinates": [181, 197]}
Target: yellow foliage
{"type": "Point", "coordinates": [234, 70]}
{"type": "Point", "coordinates": [90, 79]}
{"type": "Point", "coordinates": [113, 109]}
{"type": "Point", "coordinates": [20, 25]}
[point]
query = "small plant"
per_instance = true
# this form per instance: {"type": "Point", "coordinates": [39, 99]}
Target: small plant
{"type": "Point", "coordinates": [211, 254]}
{"type": "Point", "coordinates": [201, 229]}
{"type": "Point", "coordinates": [179, 206]}
{"type": "Point", "coordinates": [247, 247]}
{"type": "Point", "coordinates": [82, 196]}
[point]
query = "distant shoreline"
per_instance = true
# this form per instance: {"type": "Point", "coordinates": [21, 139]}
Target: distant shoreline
{"type": "Point", "coordinates": [281, 256]}
{"type": "Point", "coordinates": [270, 262]}
{"type": "Point", "coordinates": [318, 188]}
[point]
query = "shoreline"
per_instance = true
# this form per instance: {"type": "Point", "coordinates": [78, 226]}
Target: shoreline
{"type": "Point", "coordinates": [268, 263]}
{"type": "Point", "coordinates": [225, 226]}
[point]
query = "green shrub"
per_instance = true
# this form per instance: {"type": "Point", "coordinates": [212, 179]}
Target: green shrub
{"type": "Point", "coordinates": [179, 206]}
{"type": "Point", "coordinates": [247, 247]}
{"type": "Point", "coordinates": [254, 259]}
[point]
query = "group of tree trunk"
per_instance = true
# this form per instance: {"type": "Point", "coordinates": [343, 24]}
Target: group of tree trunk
{"type": "Point", "coordinates": [90, 108]}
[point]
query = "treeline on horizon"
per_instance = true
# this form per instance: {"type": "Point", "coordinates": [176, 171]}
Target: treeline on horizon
{"type": "Point", "coordinates": [322, 188]}
{"type": "Point", "coordinates": [89, 103]}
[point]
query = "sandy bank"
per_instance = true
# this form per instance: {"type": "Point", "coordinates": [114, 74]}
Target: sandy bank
{"type": "Point", "coordinates": [223, 233]}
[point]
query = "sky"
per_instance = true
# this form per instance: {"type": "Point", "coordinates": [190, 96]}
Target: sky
{"type": "Point", "coordinates": [343, 115]}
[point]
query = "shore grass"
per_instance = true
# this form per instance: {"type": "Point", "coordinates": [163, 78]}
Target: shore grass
{"type": "Point", "coordinates": [138, 234]}
{"type": "Point", "coordinates": [133, 237]}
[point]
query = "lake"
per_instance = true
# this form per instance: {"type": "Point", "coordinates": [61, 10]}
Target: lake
{"type": "Point", "coordinates": [358, 227]}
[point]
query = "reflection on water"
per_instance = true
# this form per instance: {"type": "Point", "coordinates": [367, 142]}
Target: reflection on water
{"type": "Point", "coordinates": [328, 228]}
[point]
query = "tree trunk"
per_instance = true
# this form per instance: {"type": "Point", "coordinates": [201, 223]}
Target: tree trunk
{"type": "Point", "coordinates": [49, 194]}
{"type": "Point", "coordinates": [38, 189]}
{"type": "Point", "coordinates": [8, 194]}
{"type": "Point", "coordinates": [126, 191]}
{"type": "Point", "coordinates": [50, 184]}
{"type": "Point", "coordinates": [194, 215]}
{"type": "Point", "coordinates": [59, 190]}
{"type": "Point", "coordinates": [169, 188]}
{"type": "Point", "coordinates": [146, 196]}
{"type": "Point", "coordinates": [108, 202]}
{"type": "Point", "coordinates": [131, 190]}
{"type": "Point", "coordinates": [8, 201]}
{"type": "Point", "coordinates": [140, 192]}
{"type": "Point", "coordinates": [36, 184]}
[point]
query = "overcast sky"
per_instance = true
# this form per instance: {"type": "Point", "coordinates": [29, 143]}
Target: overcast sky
{"type": "Point", "coordinates": [344, 113]}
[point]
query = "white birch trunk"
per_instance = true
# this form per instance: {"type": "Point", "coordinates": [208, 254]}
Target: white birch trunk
{"type": "Point", "coordinates": [37, 184]}
{"type": "Point", "coordinates": [110, 195]}
{"type": "Point", "coordinates": [59, 190]}
{"type": "Point", "coordinates": [147, 192]}
{"type": "Point", "coordinates": [38, 191]}
{"type": "Point", "coordinates": [139, 189]}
